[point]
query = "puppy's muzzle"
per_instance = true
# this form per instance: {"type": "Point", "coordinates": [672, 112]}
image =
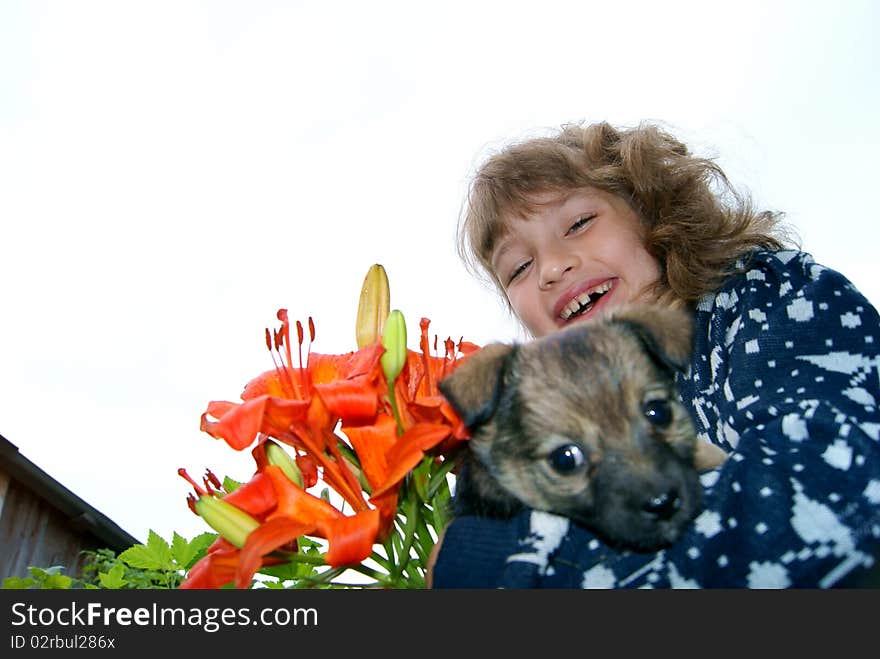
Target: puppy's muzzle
{"type": "Point", "coordinates": [663, 506]}
{"type": "Point", "coordinates": [645, 510]}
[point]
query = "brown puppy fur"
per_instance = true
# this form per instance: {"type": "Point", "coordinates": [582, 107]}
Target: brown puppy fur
{"type": "Point", "coordinates": [585, 423]}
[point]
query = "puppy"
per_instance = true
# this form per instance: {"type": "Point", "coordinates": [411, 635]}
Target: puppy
{"type": "Point", "coordinates": [585, 423]}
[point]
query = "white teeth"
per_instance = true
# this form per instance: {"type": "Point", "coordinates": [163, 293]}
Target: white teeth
{"type": "Point", "coordinates": [583, 300]}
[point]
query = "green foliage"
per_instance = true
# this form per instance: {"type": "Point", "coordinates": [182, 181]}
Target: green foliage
{"type": "Point", "coordinates": [306, 569]}
{"type": "Point", "coordinates": [155, 565]}
{"type": "Point", "coordinates": [160, 565]}
{"type": "Point", "coordinates": [46, 579]}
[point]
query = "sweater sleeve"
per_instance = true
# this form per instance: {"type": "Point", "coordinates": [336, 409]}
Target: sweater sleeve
{"type": "Point", "coordinates": [784, 377]}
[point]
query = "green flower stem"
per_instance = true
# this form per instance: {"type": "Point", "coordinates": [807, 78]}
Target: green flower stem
{"type": "Point", "coordinates": [328, 576]}
{"type": "Point", "coordinates": [397, 543]}
{"type": "Point", "coordinates": [412, 515]}
{"type": "Point", "coordinates": [381, 579]}
{"type": "Point", "coordinates": [389, 551]}
{"type": "Point", "coordinates": [392, 399]}
{"type": "Point", "coordinates": [416, 582]}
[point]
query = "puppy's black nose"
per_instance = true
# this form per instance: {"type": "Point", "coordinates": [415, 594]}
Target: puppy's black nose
{"type": "Point", "coordinates": [663, 506]}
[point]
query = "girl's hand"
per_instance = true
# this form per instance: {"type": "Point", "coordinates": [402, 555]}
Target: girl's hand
{"type": "Point", "coordinates": [432, 559]}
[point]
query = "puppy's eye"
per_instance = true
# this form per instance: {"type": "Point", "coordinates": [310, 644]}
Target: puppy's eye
{"type": "Point", "coordinates": [566, 459]}
{"type": "Point", "coordinates": [658, 412]}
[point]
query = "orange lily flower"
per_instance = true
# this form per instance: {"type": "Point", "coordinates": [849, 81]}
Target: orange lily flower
{"type": "Point", "coordinates": [221, 563]}
{"type": "Point", "coordinates": [302, 406]}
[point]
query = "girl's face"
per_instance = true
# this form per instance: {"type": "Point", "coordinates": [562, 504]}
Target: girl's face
{"type": "Point", "coordinates": [580, 255]}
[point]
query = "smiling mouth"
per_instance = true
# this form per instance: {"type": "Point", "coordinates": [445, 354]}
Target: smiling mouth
{"type": "Point", "coordinates": [584, 302]}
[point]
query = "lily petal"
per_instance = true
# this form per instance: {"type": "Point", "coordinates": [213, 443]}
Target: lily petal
{"type": "Point", "coordinates": [256, 497]}
{"type": "Point", "coordinates": [239, 424]}
{"type": "Point", "coordinates": [267, 538]}
{"type": "Point", "coordinates": [295, 503]}
{"type": "Point", "coordinates": [409, 451]}
{"type": "Point", "coordinates": [372, 443]}
{"type": "Point", "coordinates": [212, 571]}
{"type": "Point", "coordinates": [218, 567]}
{"type": "Point", "coordinates": [350, 539]}
{"type": "Point", "coordinates": [356, 401]}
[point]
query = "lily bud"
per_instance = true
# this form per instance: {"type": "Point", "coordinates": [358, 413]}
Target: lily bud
{"type": "Point", "coordinates": [394, 342]}
{"type": "Point", "coordinates": [230, 522]}
{"type": "Point", "coordinates": [280, 458]}
{"type": "Point", "coordinates": [373, 307]}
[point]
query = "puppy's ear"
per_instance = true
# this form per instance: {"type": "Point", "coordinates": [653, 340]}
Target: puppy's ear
{"type": "Point", "coordinates": [474, 388]}
{"type": "Point", "coordinates": [666, 332]}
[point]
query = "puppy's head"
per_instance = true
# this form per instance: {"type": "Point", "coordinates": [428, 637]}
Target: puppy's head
{"type": "Point", "coordinates": [586, 423]}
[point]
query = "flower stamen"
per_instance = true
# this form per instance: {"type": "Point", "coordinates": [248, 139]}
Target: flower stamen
{"type": "Point", "coordinates": [198, 488]}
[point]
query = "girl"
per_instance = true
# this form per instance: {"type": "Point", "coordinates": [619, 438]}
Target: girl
{"type": "Point", "coordinates": [784, 372]}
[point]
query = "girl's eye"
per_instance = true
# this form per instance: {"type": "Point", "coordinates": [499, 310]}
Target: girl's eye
{"type": "Point", "coordinates": [580, 224]}
{"type": "Point", "coordinates": [518, 271]}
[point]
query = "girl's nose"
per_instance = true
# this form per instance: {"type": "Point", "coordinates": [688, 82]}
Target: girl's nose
{"type": "Point", "coordinates": [555, 268]}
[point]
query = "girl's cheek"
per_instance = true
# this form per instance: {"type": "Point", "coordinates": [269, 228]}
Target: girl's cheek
{"type": "Point", "coordinates": [515, 303]}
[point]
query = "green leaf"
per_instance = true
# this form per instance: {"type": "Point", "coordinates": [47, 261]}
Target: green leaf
{"type": "Point", "coordinates": [155, 555]}
{"type": "Point", "coordinates": [114, 579]}
{"type": "Point", "coordinates": [187, 553]}
{"type": "Point", "coordinates": [420, 477]}
{"type": "Point", "coordinates": [179, 548]}
{"type": "Point", "coordinates": [440, 478]}
{"type": "Point", "coordinates": [271, 585]}
{"type": "Point", "coordinates": [230, 485]}
{"type": "Point", "coordinates": [160, 548]}
{"type": "Point", "coordinates": [292, 571]}
{"type": "Point", "coordinates": [17, 583]}
{"type": "Point", "coordinates": [57, 582]}
{"type": "Point", "coordinates": [139, 556]}
{"type": "Point", "coordinates": [43, 573]}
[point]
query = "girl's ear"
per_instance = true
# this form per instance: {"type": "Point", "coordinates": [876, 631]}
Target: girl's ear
{"type": "Point", "coordinates": [474, 388]}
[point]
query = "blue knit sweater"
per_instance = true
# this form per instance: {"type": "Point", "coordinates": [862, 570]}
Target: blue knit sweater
{"type": "Point", "coordinates": [785, 375]}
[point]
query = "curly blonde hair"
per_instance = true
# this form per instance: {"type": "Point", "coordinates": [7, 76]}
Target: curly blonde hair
{"type": "Point", "coordinates": [696, 224]}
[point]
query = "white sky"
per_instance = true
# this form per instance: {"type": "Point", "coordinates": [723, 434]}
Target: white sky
{"type": "Point", "coordinates": [171, 173]}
